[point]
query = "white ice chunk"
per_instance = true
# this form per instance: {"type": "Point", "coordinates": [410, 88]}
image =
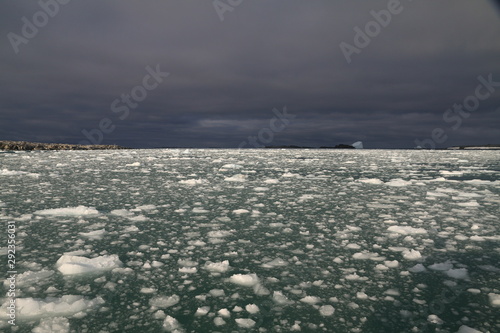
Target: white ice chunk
{"type": "Point", "coordinates": [193, 182]}
{"type": "Point", "coordinates": [52, 325]}
{"type": "Point", "coordinates": [418, 268]}
{"type": "Point", "coordinates": [245, 323]}
{"type": "Point", "coordinates": [278, 262]}
{"type": "Point", "coordinates": [494, 299]}
{"type": "Point", "coordinates": [170, 324]}
{"type": "Point", "coordinates": [398, 182]}
{"type": "Point", "coordinates": [164, 302]}
{"type": "Point", "coordinates": [406, 230]}
{"type": "Point", "coordinates": [412, 255]}
{"type": "Point", "coordinates": [236, 178]}
{"type": "Point", "coordinates": [467, 329]}
{"type": "Point", "coordinates": [224, 313]}
{"type": "Point", "coordinates": [70, 265]}
{"type": "Point", "coordinates": [202, 311]}
{"type": "Point", "coordinates": [373, 181]}
{"type": "Point", "coordinates": [443, 266]}
{"type": "Point", "coordinates": [326, 310]}
{"type": "Point", "coordinates": [459, 273]}
{"type": "Point", "coordinates": [240, 211]}
{"type": "Point", "coordinates": [94, 235]}
{"type": "Point", "coordinates": [245, 280]}
{"type": "Point", "coordinates": [30, 278]}
{"type": "Point", "coordinates": [217, 267]}
{"type": "Point", "coordinates": [5, 172]}
{"type": "Point", "coordinates": [69, 211]}
{"type": "Point", "coordinates": [68, 305]}
{"type": "Point", "coordinates": [252, 308]}
{"type": "Point", "coordinates": [310, 300]}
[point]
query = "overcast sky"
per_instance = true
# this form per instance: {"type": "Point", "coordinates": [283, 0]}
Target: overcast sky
{"type": "Point", "coordinates": [226, 76]}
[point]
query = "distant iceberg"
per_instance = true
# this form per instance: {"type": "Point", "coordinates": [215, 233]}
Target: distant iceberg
{"type": "Point", "coordinates": [358, 145]}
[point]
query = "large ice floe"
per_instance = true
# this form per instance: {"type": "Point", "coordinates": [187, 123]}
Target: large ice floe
{"type": "Point", "coordinates": [72, 265]}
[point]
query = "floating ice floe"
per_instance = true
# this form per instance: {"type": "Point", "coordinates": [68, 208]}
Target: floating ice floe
{"type": "Point", "coordinates": [252, 308]}
{"type": "Point", "coordinates": [459, 273]}
{"type": "Point", "coordinates": [5, 172]}
{"type": "Point", "coordinates": [278, 262]}
{"type": "Point", "coordinates": [443, 266]}
{"type": "Point", "coordinates": [398, 182]}
{"type": "Point", "coordinates": [467, 329]}
{"type": "Point", "coordinates": [326, 310]}
{"type": "Point", "coordinates": [69, 211]}
{"type": "Point", "coordinates": [31, 278]}
{"type": "Point", "coordinates": [310, 300]}
{"type": "Point", "coordinates": [94, 235]}
{"type": "Point", "coordinates": [406, 230]}
{"type": "Point", "coordinates": [418, 268]}
{"type": "Point", "coordinates": [71, 265]}
{"type": "Point", "coordinates": [217, 267]}
{"type": "Point", "coordinates": [240, 211]}
{"type": "Point", "coordinates": [122, 212]}
{"type": "Point", "coordinates": [245, 322]}
{"type": "Point", "coordinates": [281, 299]}
{"type": "Point", "coordinates": [193, 181]}
{"type": "Point", "coordinates": [226, 167]}
{"type": "Point", "coordinates": [52, 325]}
{"type": "Point", "coordinates": [245, 280]}
{"type": "Point", "coordinates": [373, 181]}
{"type": "Point", "coordinates": [68, 305]}
{"type": "Point", "coordinates": [219, 233]}
{"type": "Point", "coordinates": [170, 324]}
{"type": "Point", "coordinates": [164, 302]}
{"type": "Point", "coordinates": [250, 280]}
{"type": "Point", "coordinates": [367, 256]}
{"type": "Point", "coordinates": [494, 299]}
{"type": "Point", "coordinates": [236, 178]}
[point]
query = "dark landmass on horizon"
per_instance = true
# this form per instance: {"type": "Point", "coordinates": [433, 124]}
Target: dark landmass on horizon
{"type": "Point", "coordinates": [24, 145]}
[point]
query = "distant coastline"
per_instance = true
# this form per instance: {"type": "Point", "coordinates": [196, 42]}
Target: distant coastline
{"type": "Point", "coordinates": [24, 145]}
{"type": "Point", "coordinates": [476, 147]}
{"type": "Point", "coordinates": [341, 146]}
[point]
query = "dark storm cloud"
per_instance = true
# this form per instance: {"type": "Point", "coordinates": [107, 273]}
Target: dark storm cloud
{"type": "Point", "coordinates": [226, 77]}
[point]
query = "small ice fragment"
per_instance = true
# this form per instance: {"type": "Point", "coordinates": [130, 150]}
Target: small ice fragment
{"type": "Point", "coordinates": [170, 324]}
{"type": "Point", "coordinates": [310, 300]}
{"type": "Point", "coordinates": [245, 323]}
{"type": "Point", "coordinates": [202, 311]}
{"type": "Point", "coordinates": [459, 273]}
{"type": "Point", "coordinates": [246, 280]}
{"type": "Point", "coordinates": [52, 325]}
{"type": "Point", "coordinates": [252, 308]}
{"type": "Point", "coordinates": [68, 211]}
{"type": "Point", "coordinates": [326, 310]}
{"type": "Point", "coordinates": [164, 302]}
{"type": "Point", "coordinates": [467, 329]}
{"type": "Point", "coordinates": [494, 299]}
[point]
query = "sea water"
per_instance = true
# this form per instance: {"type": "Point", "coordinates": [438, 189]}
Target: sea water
{"type": "Point", "coordinates": [251, 241]}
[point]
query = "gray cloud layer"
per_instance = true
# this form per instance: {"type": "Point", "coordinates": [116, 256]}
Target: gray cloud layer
{"type": "Point", "coordinates": [226, 77]}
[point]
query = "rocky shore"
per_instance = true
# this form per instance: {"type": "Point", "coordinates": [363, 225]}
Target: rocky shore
{"type": "Point", "coordinates": [23, 145]}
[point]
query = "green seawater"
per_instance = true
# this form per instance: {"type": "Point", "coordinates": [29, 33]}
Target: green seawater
{"type": "Point", "coordinates": [387, 240]}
